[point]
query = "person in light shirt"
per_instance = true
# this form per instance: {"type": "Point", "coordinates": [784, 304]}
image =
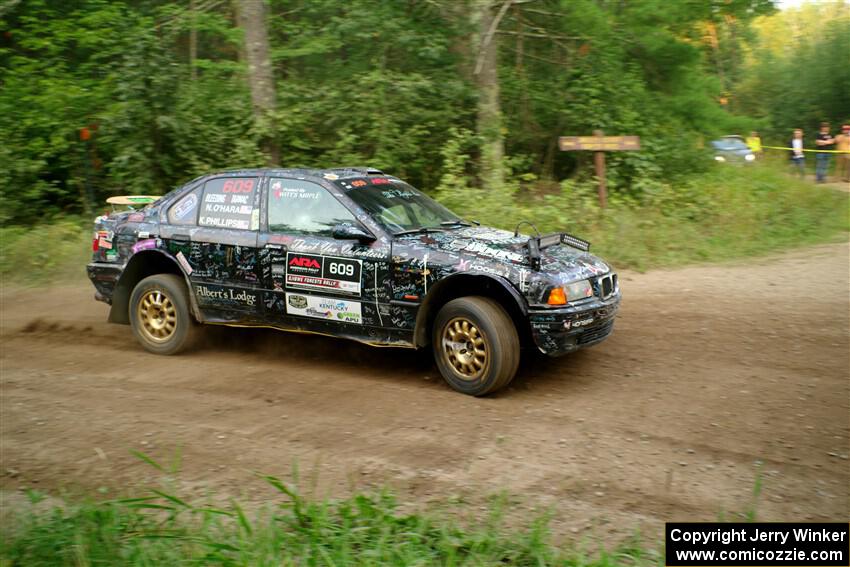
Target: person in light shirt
{"type": "Point", "coordinates": [798, 158]}
{"type": "Point", "coordinates": [842, 144]}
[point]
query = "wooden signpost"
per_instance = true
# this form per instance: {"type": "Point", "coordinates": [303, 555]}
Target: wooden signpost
{"type": "Point", "coordinates": [599, 144]}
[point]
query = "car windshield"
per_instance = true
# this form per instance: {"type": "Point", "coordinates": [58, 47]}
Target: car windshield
{"type": "Point", "coordinates": [729, 144]}
{"type": "Point", "coordinates": [398, 206]}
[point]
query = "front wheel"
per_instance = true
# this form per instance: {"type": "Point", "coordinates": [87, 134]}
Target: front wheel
{"type": "Point", "coordinates": [476, 345]}
{"type": "Point", "coordinates": [159, 314]}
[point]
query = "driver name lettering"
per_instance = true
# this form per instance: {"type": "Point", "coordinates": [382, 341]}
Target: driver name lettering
{"type": "Point", "coordinates": [224, 223]}
{"type": "Point", "coordinates": [230, 209]}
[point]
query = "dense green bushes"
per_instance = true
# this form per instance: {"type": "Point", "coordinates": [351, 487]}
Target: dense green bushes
{"type": "Point", "coordinates": [727, 212]}
{"type": "Point", "coordinates": [382, 83]}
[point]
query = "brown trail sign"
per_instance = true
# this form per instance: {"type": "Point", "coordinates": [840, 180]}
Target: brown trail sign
{"type": "Point", "coordinates": [599, 144]}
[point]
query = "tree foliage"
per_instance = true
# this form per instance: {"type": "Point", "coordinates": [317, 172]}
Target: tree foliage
{"type": "Point", "coordinates": [797, 71]}
{"type": "Point", "coordinates": [387, 83]}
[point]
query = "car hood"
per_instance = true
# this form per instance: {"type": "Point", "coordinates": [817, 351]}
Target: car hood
{"type": "Point", "coordinates": [485, 246]}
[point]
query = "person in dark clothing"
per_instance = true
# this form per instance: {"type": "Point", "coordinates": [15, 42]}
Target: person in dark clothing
{"type": "Point", "coordinates": [798, 158]}
{"type": "Point", "coordinates": [824, 141]}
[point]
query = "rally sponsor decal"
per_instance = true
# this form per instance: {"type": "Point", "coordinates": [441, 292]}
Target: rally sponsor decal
{"type": "Point", "coordinates": [220, 296]}
{"type": "Point", "coordinates": [329, 309]}
{"type": "Point", "coordinates": [185, 206]}
{"type": "Point", "coordinates": [304, 264]}
{"type": "Point", "coordinates": [328, 273]}
{"type": "Point", "coordinates": [146, 244]}
{"type": "Point", "coordinates": [185, 263]}
{"type": "Point", "coordinates": [104, 239]}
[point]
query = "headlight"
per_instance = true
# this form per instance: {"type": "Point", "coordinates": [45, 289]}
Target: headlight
{"type": "Point", "coordinates": [750, 157]}
{"type": "Point", "coordinates": [719, 158]}
{"type": "Point", "coordinates": [572, 292]}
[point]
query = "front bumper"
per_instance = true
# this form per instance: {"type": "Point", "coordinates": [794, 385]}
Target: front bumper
{"type": "Point", "coordinates": [560, 331]}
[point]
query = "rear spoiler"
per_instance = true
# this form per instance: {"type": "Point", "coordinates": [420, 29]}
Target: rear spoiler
{"type": "Point", "coordinates": [132, 200]}
{"type": "Point", "coordinates": [537, 243]}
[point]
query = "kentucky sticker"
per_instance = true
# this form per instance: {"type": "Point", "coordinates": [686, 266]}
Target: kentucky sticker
{"type": "Point", "coordinates": [325, 308]}
{"type": "Point", "coordinates": [335, 275]}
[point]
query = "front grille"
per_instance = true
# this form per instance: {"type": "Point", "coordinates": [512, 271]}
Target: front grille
{"type": "Point", "coordinates": [607, 285]}
{"type": "Point", "coordinates": [595, 334]}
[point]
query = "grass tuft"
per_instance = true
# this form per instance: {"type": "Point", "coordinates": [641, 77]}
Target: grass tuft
{"type": "Point", "coordinates": [162, 528]}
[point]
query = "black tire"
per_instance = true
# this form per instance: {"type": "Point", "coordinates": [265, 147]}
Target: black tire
{"type": "Point", "coordinates": [174, 329]}
{"type": "Point", "coordinates": [460, 362]}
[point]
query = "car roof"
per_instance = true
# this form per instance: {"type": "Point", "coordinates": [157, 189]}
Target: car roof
{"type": "Point", "coordinates": [338, 172]}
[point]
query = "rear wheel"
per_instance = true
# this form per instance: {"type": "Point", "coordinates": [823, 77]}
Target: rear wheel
{"type": "Point", "coordinates": [476, 345]}
{"type": "Point", "coordinates": [160, 316]}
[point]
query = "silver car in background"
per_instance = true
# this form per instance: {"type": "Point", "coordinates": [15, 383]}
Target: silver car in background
{"type": "Point", "coordinates": [732, 149]}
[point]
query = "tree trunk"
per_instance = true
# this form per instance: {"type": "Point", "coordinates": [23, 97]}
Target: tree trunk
{"type": "Point", "coordinates": [252, 18]}
{"type": "Point", "coordinates": [486, 77]}
{"type": "Point", "coordinates": [193, 40]}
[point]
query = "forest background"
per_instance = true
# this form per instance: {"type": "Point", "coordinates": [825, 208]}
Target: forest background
{"type": "Point", "coordinates": [465, 99]}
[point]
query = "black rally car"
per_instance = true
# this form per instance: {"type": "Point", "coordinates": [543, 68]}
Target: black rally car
{"type": "Point", "coordinates": [350, 253]}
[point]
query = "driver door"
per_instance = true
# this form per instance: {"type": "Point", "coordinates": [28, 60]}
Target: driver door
{"type": "Point", "coordinates": [311, 280]}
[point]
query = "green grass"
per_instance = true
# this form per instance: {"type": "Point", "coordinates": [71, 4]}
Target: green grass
{"type": "Point", "coordinates": [161, 528]}
{"type": "Point", "coordinates": [45, 253]}
{"type": "Point", "coordinates": [729, 212]}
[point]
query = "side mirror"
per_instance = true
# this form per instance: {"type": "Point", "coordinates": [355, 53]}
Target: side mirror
{"type": "Point", "coordinates": [347, 231]}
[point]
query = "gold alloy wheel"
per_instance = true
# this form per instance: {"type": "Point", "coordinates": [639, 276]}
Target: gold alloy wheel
{"type": "Point", "coordinates": [157, 316]}
{"type": "Point", "coordinates": [465, 348]}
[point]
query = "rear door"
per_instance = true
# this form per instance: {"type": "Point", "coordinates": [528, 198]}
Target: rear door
{"type": "Point", "coordinates": [212, 231]}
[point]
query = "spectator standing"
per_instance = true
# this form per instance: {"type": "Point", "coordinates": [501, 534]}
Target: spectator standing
{"type": "Point", "coordinates": [824, 141]}
{"type": "Point", "coordinates": [754, 143]}
{"type": "Point", "coordinates": [842, 144]}
{"type": "Point", "coordinates": [798, 158]}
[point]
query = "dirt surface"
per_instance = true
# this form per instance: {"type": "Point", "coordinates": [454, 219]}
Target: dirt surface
{"type": "Point", "coordinates": [713, 377]}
